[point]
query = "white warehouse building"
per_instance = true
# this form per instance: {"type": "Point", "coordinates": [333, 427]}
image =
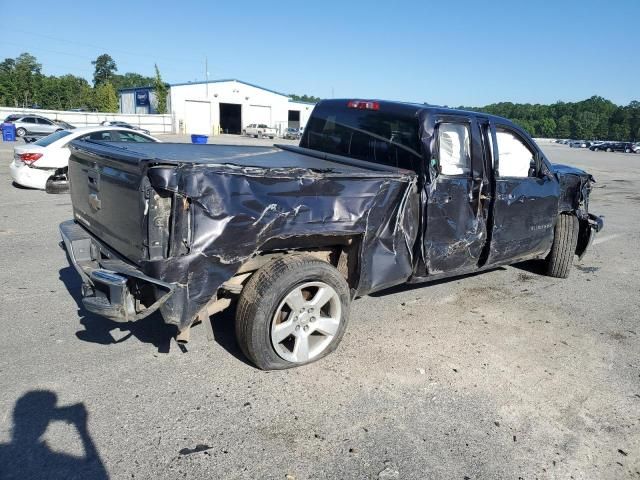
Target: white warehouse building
{"type": "Point", "coordinates": [226, 106]}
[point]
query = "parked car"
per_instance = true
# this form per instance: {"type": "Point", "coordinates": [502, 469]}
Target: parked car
{"type": "Point", "coordinates": [578, 144]}
{"type": "Point", "coordinates": [32, 124]}
{"type": "Point", "coordinates": [43, 163]}
{"type": "Point", "coordinates": [292, 134]}
{"type": "Point", "coordinates": [65, 125]}
{"type": "Point", "coordinates": [118, 123]}
{"type": "Point", "coordinates": [259, 130]}
{"type": "Point", "coordinates": [626, 147]}
{"type": "Point", "coordinates": [377, 194]}
{"type": "Point", "coordinates": [636, 147]}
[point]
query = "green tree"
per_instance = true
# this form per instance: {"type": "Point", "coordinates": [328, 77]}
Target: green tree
{"type": "Point", "coordinates": [563, 127]}
{"type": "Point", "coordinates": [161, 90]}
{"type": "Point", "coordinates": [27, 79]}
{"type": "Point", "coordinates": [304, 98]}
{"type": "Point", "coordinates": [106, 99]}
{"type": "Point", "coordinates": [547, 127]}
{"type": "Point", "coordinates": [130, 80]}
{"type": "Point", "coordinates": [105, 68]}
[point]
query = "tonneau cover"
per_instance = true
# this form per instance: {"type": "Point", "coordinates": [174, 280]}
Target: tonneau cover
{"type": "Point", "coordinates": [275, 157]}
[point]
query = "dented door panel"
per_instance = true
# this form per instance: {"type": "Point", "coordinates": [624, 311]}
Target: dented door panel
{"type": "Point", "coordinates": [525, 211]}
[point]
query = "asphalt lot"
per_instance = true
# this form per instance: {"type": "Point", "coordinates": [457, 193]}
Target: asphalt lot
{"type": "Point", "coordinates": [506, 374]}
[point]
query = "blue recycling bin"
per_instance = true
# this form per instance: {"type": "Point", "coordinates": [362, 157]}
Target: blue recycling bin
{"type": "Point", "coordinates": [8, 132]}
{"type": "Point", "coordinates": [200, 139]}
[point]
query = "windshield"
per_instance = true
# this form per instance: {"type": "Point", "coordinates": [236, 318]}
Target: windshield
{"type": "Point", "coordinates": [49, 139]}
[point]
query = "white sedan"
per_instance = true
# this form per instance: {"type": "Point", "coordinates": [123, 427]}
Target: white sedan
{"type": "Point", "coordinates": [47, 159]}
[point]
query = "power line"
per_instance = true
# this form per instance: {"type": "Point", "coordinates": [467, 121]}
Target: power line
{"type": "Point", "coordinates": [102, 48]}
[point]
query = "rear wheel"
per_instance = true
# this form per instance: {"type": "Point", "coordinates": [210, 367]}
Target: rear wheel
{"type": "Point", "coordinates": [21, 132]}
{"type": "Point", "coordinates": [627, 150]}
{"type": "Point", "coordinates": [292, 311]}
{"type": "Point", "coordinates": [609, 149]}
{"type": "Point", "coordinates": [560, 258]}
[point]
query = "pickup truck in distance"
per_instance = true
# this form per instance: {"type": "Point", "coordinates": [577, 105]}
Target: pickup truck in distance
{"type": "Point", "coordinates": [377, 194]}
{"type": "Point", "coordinates": [259, 130]}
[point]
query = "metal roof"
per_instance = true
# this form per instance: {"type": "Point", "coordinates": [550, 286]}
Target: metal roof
{"type": "Point", "coordinates": [223, 80]}
{"type": "Point", "coordinates": [228, 80]}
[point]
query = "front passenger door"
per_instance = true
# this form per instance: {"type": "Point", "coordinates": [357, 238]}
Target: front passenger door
{"type": "Point", "coordinates": [526, 198]}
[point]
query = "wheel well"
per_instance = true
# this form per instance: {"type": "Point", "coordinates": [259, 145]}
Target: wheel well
{"type": "Point", "coordinates": [341, 252]}
{"type": "Point", "coordinates": [584, 234]}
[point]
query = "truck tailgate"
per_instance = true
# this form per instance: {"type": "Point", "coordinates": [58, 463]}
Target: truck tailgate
{"type": "Point", "coordinates": [108, 197]}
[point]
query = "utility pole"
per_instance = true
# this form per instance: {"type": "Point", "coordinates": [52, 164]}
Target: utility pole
{"type": "Point", "coordinates": [206, 75]}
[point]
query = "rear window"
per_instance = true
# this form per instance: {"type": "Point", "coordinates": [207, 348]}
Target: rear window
{"type": "Point", "coordinates": [375, 136]}
{"type": "Point", "coordinates": [49, 139]}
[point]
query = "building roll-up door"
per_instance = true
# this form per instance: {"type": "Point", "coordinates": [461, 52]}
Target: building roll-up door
{"type": "Point", "coordinates": [259, 114]}
{"type": "Point", "coordinates": [197, 117]}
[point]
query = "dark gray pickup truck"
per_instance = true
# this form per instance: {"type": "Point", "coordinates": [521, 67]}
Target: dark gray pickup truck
{"type": "Point", "coordinates": [377, 194]}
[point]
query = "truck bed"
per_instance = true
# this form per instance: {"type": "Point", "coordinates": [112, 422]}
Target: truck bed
{"type": "Point", "coordinates": [276, 157]}
{"type": "Point", "coordinates": [191, 215]}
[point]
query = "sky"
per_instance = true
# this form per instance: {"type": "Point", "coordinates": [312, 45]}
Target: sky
{"type": "Point", "coordinates": [451, 53]}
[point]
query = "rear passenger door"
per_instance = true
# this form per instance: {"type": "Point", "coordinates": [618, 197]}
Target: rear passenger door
{"type": "Point", "coordinates": [526, 198]}
{"type": "Point", "coordinates": [30, 124]}
{"type": "Point", "coordinates": [46, 126]}
{"type": "Point", "coordinates": [456, 220]}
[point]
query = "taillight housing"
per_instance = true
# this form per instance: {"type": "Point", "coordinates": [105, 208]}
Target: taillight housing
{"type": "Point", "coordinates": [363, 105]}
{"type": "Point", "coordinates": [30, 158]}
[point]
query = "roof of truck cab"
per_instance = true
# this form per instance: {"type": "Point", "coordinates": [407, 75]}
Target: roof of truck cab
{"type": "Point", "coordinates": [411, 109]}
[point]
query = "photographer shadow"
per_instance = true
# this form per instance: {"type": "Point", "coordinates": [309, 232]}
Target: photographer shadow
{"type": "Point", "coordinates": [27, 455]}
{"type": "Point", "coordinates": [98, 329]}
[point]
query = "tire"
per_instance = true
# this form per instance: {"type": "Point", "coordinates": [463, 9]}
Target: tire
{"type": "Point", "coordinates": [56, 186]}
{"type": "Point", "coordinates": [266, 299]}
{"type": "Point", "coordinates": [20, 132]}
{"type": "Point", "coordinates": [565, 239]}
{"type": "Point", "coordinates": [609, 149]}
{"type": "Point", "coordinates": [627, 150]}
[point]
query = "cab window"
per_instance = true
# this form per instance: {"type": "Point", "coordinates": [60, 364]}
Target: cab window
{"type": "Point", "coordinates": [378, 137]}
{"type": "Point", "coordinates": [104, 136]}
{"type": "Point", "coordinates": [132, 137]}
{"type": "Point", "coordinates": [454, 149]}
{"type": "Point", "coordinates": [515, 158]}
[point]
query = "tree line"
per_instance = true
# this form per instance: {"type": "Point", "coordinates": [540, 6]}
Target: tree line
{"type": "Point", "coordinates": [23, 85]}
{"type": "Point", "coordinates": [593, 119]}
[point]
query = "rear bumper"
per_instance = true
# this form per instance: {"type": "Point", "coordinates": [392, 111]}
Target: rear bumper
{"type": "Point", "coordinates": [30, 176]}
{"type": "Point", "coordinates": [111, 287]}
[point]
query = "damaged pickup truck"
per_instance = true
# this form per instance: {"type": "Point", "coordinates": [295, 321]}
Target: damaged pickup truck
{"type": "Point", "coordinates": [377, 194]}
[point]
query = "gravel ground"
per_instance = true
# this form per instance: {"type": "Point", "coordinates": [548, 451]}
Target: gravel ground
{"type": "Point", "coordinates": [506, 374]}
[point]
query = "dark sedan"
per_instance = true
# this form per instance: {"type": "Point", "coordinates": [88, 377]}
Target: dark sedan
{"type": "Point", "coordinates": [626, 147]}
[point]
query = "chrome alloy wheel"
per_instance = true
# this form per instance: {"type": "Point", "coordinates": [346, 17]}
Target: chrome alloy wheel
{"type": "Point", "coordinates": [305, 322]}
